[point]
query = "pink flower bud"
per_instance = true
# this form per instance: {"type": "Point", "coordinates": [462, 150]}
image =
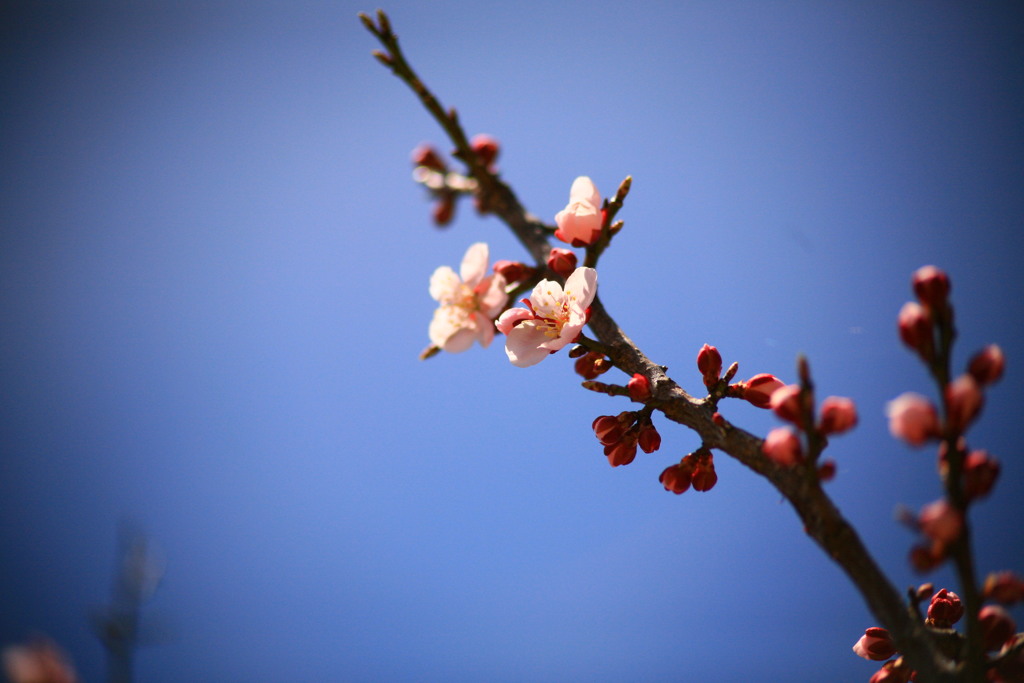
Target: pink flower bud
{"type": "Point", "coordinates": [827, 470]}
{"type": "Point", "coordinates": [963, 400]}
{"type": "Point", "coordinates": [709, 362]}
{"type": "Point", "coordinates": [486, 149]}
{"type": "Point", "coordinates": [426, 155]}
{"type": "Point", "coordinates": [704, 477]}
{"type": "Point", "coordinates": [980, 473]}
{"type": "Point", "coordinates": [639, 388]}
{"type": "Point", "coordinates": [945, 609]}
{"type": "Point", "coordinates": [895, 671]}
{"type": "Point", "coordinates": [931, 285]}
{"type": "Point", "coordinates": [987, 365]}
{"type": "Point", "coordinates": [912, 418]}
{"type": "Point", "coordinates": [623, 452]}
{"type": "Point", "coordinates": [924, 558]}
{"type": "Point", "coordinates": [1005, 587]}
{"type": "Point", "coordinates": [579, 223]}
{"type": "Point", "coordinates": [562, 261]}
{"type": "Point", "coordinates": [941, 522]}
{"type": "Point", "coordinates": [838, 415]}
{"type": "Point", "coordinates": [512, 271]}
{"type": "Point", "coordinates": [649, 439]}
{"type": "Point", "coordinates": [997, 626]}
{"type": "Point", "coordinates": [915, 325]}
{"type": "Point", "coordinates": [676, 478]}
{"type": "Point", "coordinates": [758, 389]}
{"type": "Point", "coordinates": [876, 644]}
{"type": "Point", "coordinates": [783, 446]}
{"type": "Point", "coordinates": [785, 402]}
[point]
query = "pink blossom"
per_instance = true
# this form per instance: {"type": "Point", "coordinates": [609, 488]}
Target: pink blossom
{"type": "Point", "coordinates": [468, 304]}
{"type": "Point", "coordinates": [876, 644]}
{"type": "Point", "coordinates": [38, 662]}
{"type": "Point", "coordinates": [783, 446]}
{"type": "Point", "coordinates": [554, 317]}
{"type": "Point", "coordinates": [838, 415]}
{"type": "Point", "coordinates": [579, 223]}
{"type": "Point", "coordinates": [912, 418]}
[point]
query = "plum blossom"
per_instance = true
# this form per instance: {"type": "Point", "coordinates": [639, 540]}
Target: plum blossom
{"type": "Point", "coordinates": [579, 223]}
{"type": "Point", "coordinates": [469, 301]}
{"type": "Point", "coordinates": [554, 317]}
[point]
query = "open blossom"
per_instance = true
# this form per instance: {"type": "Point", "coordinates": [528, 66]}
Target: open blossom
{"type": "Point", "coordinates": [469, 302]}
{"type": "Point", "coordinates": [579, 223]}
{"type": "Point", "coordinates": [554, 317]}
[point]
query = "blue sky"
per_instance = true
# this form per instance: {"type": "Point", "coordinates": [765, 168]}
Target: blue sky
{"type": "Point", "coordinates": [213, 287]}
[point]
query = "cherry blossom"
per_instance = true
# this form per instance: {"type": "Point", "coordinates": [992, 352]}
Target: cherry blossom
{"type": "Point", "coordinates": [469, 300]}
{"type": "Point", "coordinates": [579, 223]}
{"type": "Point", "coordinates": [554, 317]}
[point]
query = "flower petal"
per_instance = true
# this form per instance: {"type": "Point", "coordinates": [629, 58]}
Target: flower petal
{"type": "Point", "coordinates": [511, 318]}
{"type": "Point", "coordinates": [583, 189]}
{"type": "Point", "coordinates": [445, 285]}
{"type": "Point", "coordinates": [447, 321]}
{"type": "Point", "coordinates": [492, 295]}
{"type": "Point", "coordinates": [460, 341]}
{"type": "Point", "coordinates": [580, 288]}
{"type": "Point", "coordinates": [523, 344]}
{"type": "Point", "coordinates": [547, 298]}
{"type": "Point", "coordinates": [474, 264]}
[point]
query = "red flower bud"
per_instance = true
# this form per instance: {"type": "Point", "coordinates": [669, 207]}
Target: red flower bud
{"type": "Point", "coordinates": [945, 609]}
{"type": "Point", "coordinates": [931, 286]}
{"type": "Point", "coordinates": [915, 325]}
{"type": "Point", "coordinates": [562, 261]}
{"type": "Point", "coordinates": [924, 558]}
{"type": "Point", "coordinates": [783, 446]}
{"type": "Point", "coordinates": [486, 148]}
{"type": "Point", "coordinates": [1004, 587]}
{"type": "Point", "coordinates": [426, 155]}
{"type": "Point", "coordinates": [964, 400]}
{"type": "Point", "coordinates": [709, 362]}
{"type": "Point", "coordinates": [838, 415]}
{"type": "Point", "coordinates": [895, 671]}
{"type": "Point", "coordinates": [444, 210]}
{"type": "Point", "coordinates": [649, 439]}
{"type": "Point", "coordinates": [987, 365]}
{"type": "Point", "coordinates": [876, 644]}
{"type": "Point", "coordinates": [609, 429]}
{"type": "Point", "coordinates": [622, 452]}
{"type": "Point", "coordinates": [704, 477]}
{"type": "Point", "coordinates": [676, 478]}
{"type": "Point", "coordinates": [639, 388]}
{"type": "Point", "coordinates": [980, 473]}
{"type": "Point", "coordinates": [827, 470]}
{"type": "Point", "coordinates": [512, 271]}
{"type": "Point", "coordinates": [591, 365]}
{"type": "Point", "coordinates": [997, 626]}
{"type": "Point", "coordinates": [759, 389]}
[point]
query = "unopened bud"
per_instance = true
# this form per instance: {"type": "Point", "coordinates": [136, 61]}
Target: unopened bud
{"type": "Point", "coordinates": [639, 388]}
{"type": "Point", "coordinates": [915, 326]}
{"type": "Point", "coordinates": [785, 402]}
{"type": "Point", "coordinates": [876, 644]}
{"type": "Point", "coordinates": [444, 210]}
{"type": "Point", "coordinates": [931, 286]}
{"type": "Point", "coordinates": [913, 418]}
{"type": "Point", "coordinates": [758, 389]}
{"type": "Point", "coordinates": [623, 452]}
{"type": "Point", "coordinates": [783, 447]}
{"type": "Point", "coordinates": [562, 261]}
{"type": "Point", "coordinates": [649, 439]}
{"type": "Point", "coordinates": [980, 472]}
{"type": "Point", "coordinates": [945, 609]}
{"type": "Point", "coordinates": [676, 478]}
{"type": "Point", "coordinates": [592, 364]}
{"type": "Point", "coordinates": [486, 148]}
{"type": "Point", "coordinates": [987, 365]}
{"type": "Point", "coordinates": [838, 415]}
{"type": "Point", "coordinates": [1005, 587]}
{"type": "Point", "coordinates": [709, 362]}
{"type": "Point", "coordinates": [704, 477]}
{"type": "Point", "coordinates": [827, 470]}
{"type": "Point", "coordinates": [941, 522]}
{"type": "Point", "coordinates": [964, 400]}
{"type": "Point", "coordinates": [512, 271]}
{"type": "Point", "coordinates": [997, 626]}
{"type": "Point", "coordinates": [426, 155]}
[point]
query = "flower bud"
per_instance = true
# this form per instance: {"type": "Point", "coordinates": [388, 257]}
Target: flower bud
{"type": "Point", "coordinates": [444, 209]}
{"type": "Point", "coordinates": [704, 477]}
{"type": "Point", "coordinates": [562, 261]}
{"type": "Point", "coordinates": [827, 470]}
{"type": "Point", "coordinates": [979, 474]}
{"type": "Point", "coordinates": [676, 478]}
{"type": "Point", "coordinates": [915, 326]}
{"type": "Point", "coordinates": [945, 609]}
{"type": "Point", "coordinates": [931, 286]}
{"type": "Point", "coordinates": [622, 452]}
{"type": "Point", "coordinates": [639, 388]}
{"type": "Point", "coordinates": [426, 155]}
{"type": "Point", "coordinates": [591, 365]}
{"type": "Point", "coordinates": [912, 418]}
{"type": "Point", "coordinates": [1005, 587]}
{"type": "Point", "coordinates": [758, 389]}
{"type": "Point", "coordinates": [785, 402]}
{"type": "Point", "coordinates": [924, 558]}
{"type": "Point", "coordinates": [941, 522]}
{"type": "Point", "coordinates": [876, 644]}
{"type": "Point", "coordinates": [896, 671]}
{"type": "Point", "coordinates": [987, 365]}
{"type": "Point", "coordinates": [964, 400]}
{"type": "Point", "coordinates": [709, 362]}
{"type": "Point", "coordinates": [838, 415]}
{"type": "Point", "coordinates": [512, 271]}
{"type": "Point", "coordinates": [997, 626]}
{"type": "Point", "coordinates": [609, 429]}
{"type": "Point", "coordinates": [649, 439]}
{"type": "Point", "coordinates": [783, 447]}
{"type": "Point", "coordinates": [486, 149]}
